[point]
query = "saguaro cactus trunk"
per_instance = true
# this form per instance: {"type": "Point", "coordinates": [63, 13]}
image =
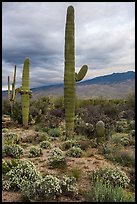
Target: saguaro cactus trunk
{"type": "Point", "coordinates": [25, 93]}
{"type": "Point", "coordinates": [70, 77]}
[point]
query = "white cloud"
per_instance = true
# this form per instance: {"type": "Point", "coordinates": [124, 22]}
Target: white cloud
{"type": "Point", "coordinates": [104, 38]}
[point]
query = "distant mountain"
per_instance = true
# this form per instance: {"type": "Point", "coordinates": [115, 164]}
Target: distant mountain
{"type": "Point", "coordinates": [111, 78]}
{"type": "Point", "coordinates": [116, 85]}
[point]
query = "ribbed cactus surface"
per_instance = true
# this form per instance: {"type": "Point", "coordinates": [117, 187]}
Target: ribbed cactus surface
{"type": "Point", "coordinates": [25, 91]}
{"type": "Point", "coordinates": [70, 77]}
{"type": "Point", "coordinates": [69, 74]}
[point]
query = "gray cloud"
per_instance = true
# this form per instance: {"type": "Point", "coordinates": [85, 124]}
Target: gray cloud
{"type": "Point", "coordinates": [105, 38]}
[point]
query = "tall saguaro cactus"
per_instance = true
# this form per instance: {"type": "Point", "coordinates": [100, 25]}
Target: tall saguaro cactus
{"type": "Point", "coordinates": [70, 77]}
{"type": "Point", "coordinates": [24, 90]}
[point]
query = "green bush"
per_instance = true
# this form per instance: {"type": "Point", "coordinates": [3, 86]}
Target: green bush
{"type": "Point", "coordinates": [74, 152]}
{"type": "Point", "coordinates": [112, 176]}
{"type": "Point", "coordinates": [120, 138]}
{"type": "Point", "coordinates": [81, 127]}
{"type": "Point", "coordinates": [11, 138]}
{"type": "Point", "coordinates": [102, 192]}
{"type": "Point", "coordinates": [24, 171]}
{"type": "Point", "coordinates": [55, 132]}
{"type": "Point", "coordinates": [68, 144]}
{"type": "Point", "coordinates": [132, 125]}
{"type": "Point", "coordinates": [45, 144]}
{"type": "Point", "coordinates": [68, 185]}
{"type": "Point", "coordinates": [46, 188]}
{"type": "Point", "coordinates": [7, 165]}
{"type": "Point", "coordinates": [57, 159]}
{"type": "Point", "coordinates": [12, 150]}
{"type": "Point", "coordinates": [125, 158]}
{"type": "Point", "coordinates": [35, 152]}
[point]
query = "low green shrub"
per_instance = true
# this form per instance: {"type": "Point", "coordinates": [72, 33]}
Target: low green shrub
{"type": "Point", "coordinates": [8, 164]}
{"type": "Point", "coordinates": [35, 152]}
{"type": "Point", "coordinates": [68, 144]}
{"type": "Point", "coordinates": [68, 185]}
{"type": "Point", "coordinates": [112, 176]}
{"type": "Point", "coordinates": [57, 159]}
{"type": "Point", "coordinates": [45, 144]}
{"type": "Point", "coordinates": [103, 192]}
{"type": "Point", "coordinates": [11, 138]}
{"type": "Point", "coordinates": [12, 150]}
{"type": "Point", "coordinates": [43, 189]}
{"type": "Point", "coordinates": [74, 152]}
{"type": "Point", "coordinates": [55, 132]}
{"type": "Point", "coordinates": [120, 138]}
{"type": "Point", "coordinates": [24, 171]}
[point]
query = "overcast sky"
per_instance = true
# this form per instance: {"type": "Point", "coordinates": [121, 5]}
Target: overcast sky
{"type": "Point", "coordinates": [104, 39]}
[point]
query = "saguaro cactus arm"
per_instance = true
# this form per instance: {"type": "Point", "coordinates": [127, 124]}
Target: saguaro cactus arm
{"type": "Point", "coordinates": [81, 74]}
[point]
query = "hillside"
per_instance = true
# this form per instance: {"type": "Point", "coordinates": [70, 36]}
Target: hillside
{"type": "Point", "coordinates": [116, 85]}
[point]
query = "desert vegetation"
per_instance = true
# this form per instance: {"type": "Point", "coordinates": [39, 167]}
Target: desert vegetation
{"type": "Point", "coordinates": [41, 163]}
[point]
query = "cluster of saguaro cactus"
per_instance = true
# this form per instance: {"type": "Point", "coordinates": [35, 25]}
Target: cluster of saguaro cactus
{"type": "Point", "coordinates": [100, 130]}
{"type": "Point", "coordinates": [24, 90]}
{"type": "Point", "coordinates": [70, 77]}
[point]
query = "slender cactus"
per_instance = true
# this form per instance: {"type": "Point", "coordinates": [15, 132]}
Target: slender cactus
{"type": "Point", "coordinates": [25, 93]}
{"type": "Point", "coordinates": [24, 90]}
{"type": "Point", "coordinates": [11, 97]}
{"type": "Point", "coordinates": [70, 77]}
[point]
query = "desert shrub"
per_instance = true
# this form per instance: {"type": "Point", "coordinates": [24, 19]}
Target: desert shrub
{"type": "Point", "coordinates": [102, 192]}
{"type": "Point", "coordinates": [12, 150]}
{"type": "Point", "coordinates": [45, 144]}
{"type": "Point", "coordinates": [47, 188]}
{"type": "Point", "coordinates": [93, 114]}
{"type": "Point", "coordinates": [68, 144]}
{"type": "Point", "coordinates": [59, 102]}
{"type": "Point", "coordinates": [5, 130]}
{"type": "Point", "coordinates": [7, 165]}
{"type": "Point", "coordinates": [55, 132]}
{"type": "Point", "coordinates": [132, 133]}
{"type": "Point", "coordinates": [59, 113]}
{"type": "Point", "coordinates": [84, 144]}
{"type": "Point", "coordinates": [35, 152]}
{"type": "Point", "coordinates": [68, 186]}
{"type": "Point", "coordinates": [11, 138]}
{"type": "Point", "coordinates": [35, 138]}
{"type": "Point", "coordinates": [120, 138]}
{"type": "Point", "coordinates": [24, 171]}
{"type": "Point", "coordinates": [132, 125]}
{"type": "Point", "coordinates": [121, 125]}
{"type": "Point", "coordinates": [112, 176]}
{"type": "Point", "coordinates": [125, 158]}
{"type": "Point", "coordinates": [16, 114]}
{"type": "Point", "coordinates": [83, 128]}
{"type": "Point", "coordinates": [56, 158]}
{"type": "Point", "coordinates": [74, 152]}
{"type": "Point", "coordinates": [75, 172]}
{"type": "Point", "coordinates": [6, 108]}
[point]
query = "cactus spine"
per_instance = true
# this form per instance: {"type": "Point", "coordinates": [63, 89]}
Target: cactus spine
{"type": "Point", "coordinates": [70, 77]}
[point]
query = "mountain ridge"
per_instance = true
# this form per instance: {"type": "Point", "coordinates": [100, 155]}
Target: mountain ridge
{"type": "Point", "coordinates": [111, 85]}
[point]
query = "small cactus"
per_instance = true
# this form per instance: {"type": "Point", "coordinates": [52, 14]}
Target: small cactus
{"type": "Point", "coordinates": [11, 96]}
{"type": "Point", "coordinates": [100, 130]}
